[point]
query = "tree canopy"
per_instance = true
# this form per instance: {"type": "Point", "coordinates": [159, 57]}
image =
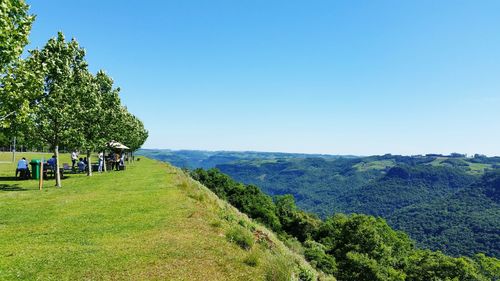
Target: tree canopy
{"type": "Point", "coordinates": [51, 99]}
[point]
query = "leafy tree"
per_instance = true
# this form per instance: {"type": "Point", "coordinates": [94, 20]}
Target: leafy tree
{"type": "Point", "coordinates": [132, 131]}
{"type": "Point", "coordinates": [19, 89]}
{"type": "Point", "coordinates": [54, 123]}
{"type": "Point", "coordinates": [88, 114]}
{"type": "Point", "coordinates": [424, 265]}
{"type": "Point", "coordinates": [110, 109]}
{"type": "Point", "coordinates": [365, 248]}
{"type": "Point", "coordinates": [315, 254]}
{"type": "Point", "coordinates": [249, 199]}
{"type": "Point", "coordinates": [295, 222]}
{"type": "Point", "coordinates": [15, 26]}
{"type": "Point", "coordinates": [490, 267]}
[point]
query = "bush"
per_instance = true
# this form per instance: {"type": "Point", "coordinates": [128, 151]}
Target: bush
{"type": "Point", "coordinates": [279, 269]}
{"type": "Point", "coordinates": [306, 274]}
{"type": "Point", "coordinates": [252, 259]}
{"type": "Point", "coordinates": [315, 254]}
{"type": "Point", "coordinates": [240, 237]}
{"type": "Point", "coordinates": [216, 223]}
{"type": "Point", "coordinates": [293, 244]}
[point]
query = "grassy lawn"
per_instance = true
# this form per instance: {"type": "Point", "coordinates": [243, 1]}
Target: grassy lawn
{"type": "Point", "coordinates": [148, 222]}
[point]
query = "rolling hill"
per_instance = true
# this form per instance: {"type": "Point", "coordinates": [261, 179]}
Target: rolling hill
{"type": "Point", "coordinates": [436, 199]}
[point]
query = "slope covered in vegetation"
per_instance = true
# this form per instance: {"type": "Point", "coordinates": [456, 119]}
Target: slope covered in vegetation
{"type": "Point", "coordinates": [436, 199]}
{"type": "Point", "coordinates": [406, 191]}
{"type": "Point", "coordinates": [350, 247]}
{"type": "Point", "coordinates": [148, 222]}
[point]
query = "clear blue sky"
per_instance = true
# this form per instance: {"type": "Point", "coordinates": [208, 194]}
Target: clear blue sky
{"type": "Point", "coordinates": [339, 77]}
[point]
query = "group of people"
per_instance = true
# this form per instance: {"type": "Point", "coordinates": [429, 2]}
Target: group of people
{"type": "Point", "coordinates": [23, 168]}
{"type": "Point", "coordinates": [116, 160]}
{"type": "Point", "coordinates": [80, 164]}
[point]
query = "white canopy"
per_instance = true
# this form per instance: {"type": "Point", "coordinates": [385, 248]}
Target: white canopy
{"type": "Point", "coordinates": [117, 145]}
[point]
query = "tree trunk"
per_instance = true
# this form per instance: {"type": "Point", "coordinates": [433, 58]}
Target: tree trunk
{"type": "Point", "coordinates": [58, 175]}
{"type": "Point", "coordinates": [14, 151]}
{"type": "Point", "coordinates": [89, 164]}
{"type": "Point", "coordinates": [104, 161]}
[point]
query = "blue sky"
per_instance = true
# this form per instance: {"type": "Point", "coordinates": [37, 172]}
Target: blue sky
{"type": "Point", "coordinates": [338, 77]}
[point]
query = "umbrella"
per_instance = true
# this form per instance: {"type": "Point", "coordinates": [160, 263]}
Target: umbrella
{"type": "Point", "coordinates": [117, 145]}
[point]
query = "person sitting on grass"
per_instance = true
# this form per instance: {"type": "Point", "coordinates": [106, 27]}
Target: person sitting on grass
{"type": "Point", "coordinates": [22, 168]}
{"type": "Point", "coordinates": [81, 166]}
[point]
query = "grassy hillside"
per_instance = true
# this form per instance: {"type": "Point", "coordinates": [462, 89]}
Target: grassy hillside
{"type": "Point", "coordinates": [148, 222]}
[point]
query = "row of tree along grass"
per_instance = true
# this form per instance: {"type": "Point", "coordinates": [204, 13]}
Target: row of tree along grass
{"type": "Point", "coordinates": [50, 98]}
{"type": "Point", "coordinates": [349, 247]}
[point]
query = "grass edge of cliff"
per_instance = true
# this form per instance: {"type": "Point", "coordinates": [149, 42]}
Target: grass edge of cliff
{"type": "Point", "coordinates": [125, 225]}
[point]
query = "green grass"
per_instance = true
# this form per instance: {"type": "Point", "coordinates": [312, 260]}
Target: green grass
{"type": "Point", "coordinates": [150, 222]}
{"type": "Point", "coordinates": [374, 165]}
{"type": "Point", "coordinates": [478, 168]}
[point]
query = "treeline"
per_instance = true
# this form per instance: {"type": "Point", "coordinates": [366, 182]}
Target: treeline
{"type": "Point", "coordinates": [349, 247]}
{"type": "Point", "coordinates": [50, 98]}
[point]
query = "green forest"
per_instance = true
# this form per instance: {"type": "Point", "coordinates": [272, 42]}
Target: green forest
{"type": "Point", "coordinates": [349, 247]}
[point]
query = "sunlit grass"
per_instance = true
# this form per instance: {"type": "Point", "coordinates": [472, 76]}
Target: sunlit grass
{"type": "Point", "coordinates": [148, 222]}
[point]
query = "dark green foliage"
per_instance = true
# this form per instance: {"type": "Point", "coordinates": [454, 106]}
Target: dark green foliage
{"type": "Point", "coordinates": [426, 265]}
{"type": "Point", "coordinates": [249, 199]}
{"type": "Point", "coordinates": [315, 254]}
{"type": "Point", "coordinates": [463, 223]}
{"type": "Point", "coordinates": [295, 222]}
{"type": "Point", "coordinates": [4, 140]}
{"type": "Point", "coordinates": [489, 267]}
{"type": "Point", "coordinates": [305, 274]}
{"type": "Point", "coordinates": [365, 248]}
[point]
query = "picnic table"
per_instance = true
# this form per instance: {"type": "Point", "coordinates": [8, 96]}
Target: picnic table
{"type": "Point", "coordinates": [49, 170]}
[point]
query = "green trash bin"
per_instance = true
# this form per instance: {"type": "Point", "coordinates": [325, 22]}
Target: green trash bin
{"type": "Point", "coordinates": [35, 169]}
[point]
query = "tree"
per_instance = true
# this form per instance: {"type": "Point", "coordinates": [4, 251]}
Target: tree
{"type": "Point", "coordinates": [365, 248]}
{"type": "Point", "coordinates": [53, 115]}
{"type": "Point", "coordinates": [88, 115]}
{"type": "Point", "coordinates": [15, 26]}
{"type": "Point", "coordinates": [133, 133]}
{"type": "Point", "coordinates": [295, 222]}
{"type": "Point", "coordinates": [426, 265]}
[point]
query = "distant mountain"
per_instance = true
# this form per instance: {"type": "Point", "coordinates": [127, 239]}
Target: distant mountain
{"type": "Point", "coordinates": [444, 202]}
{"type": "Point", "coordinates": [208, 159]}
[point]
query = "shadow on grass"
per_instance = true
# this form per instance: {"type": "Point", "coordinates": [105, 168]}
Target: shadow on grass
{"type": "Point", "coordinates": [9, 179]}
{"type": "Point", "coordinates": [13, 187]}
